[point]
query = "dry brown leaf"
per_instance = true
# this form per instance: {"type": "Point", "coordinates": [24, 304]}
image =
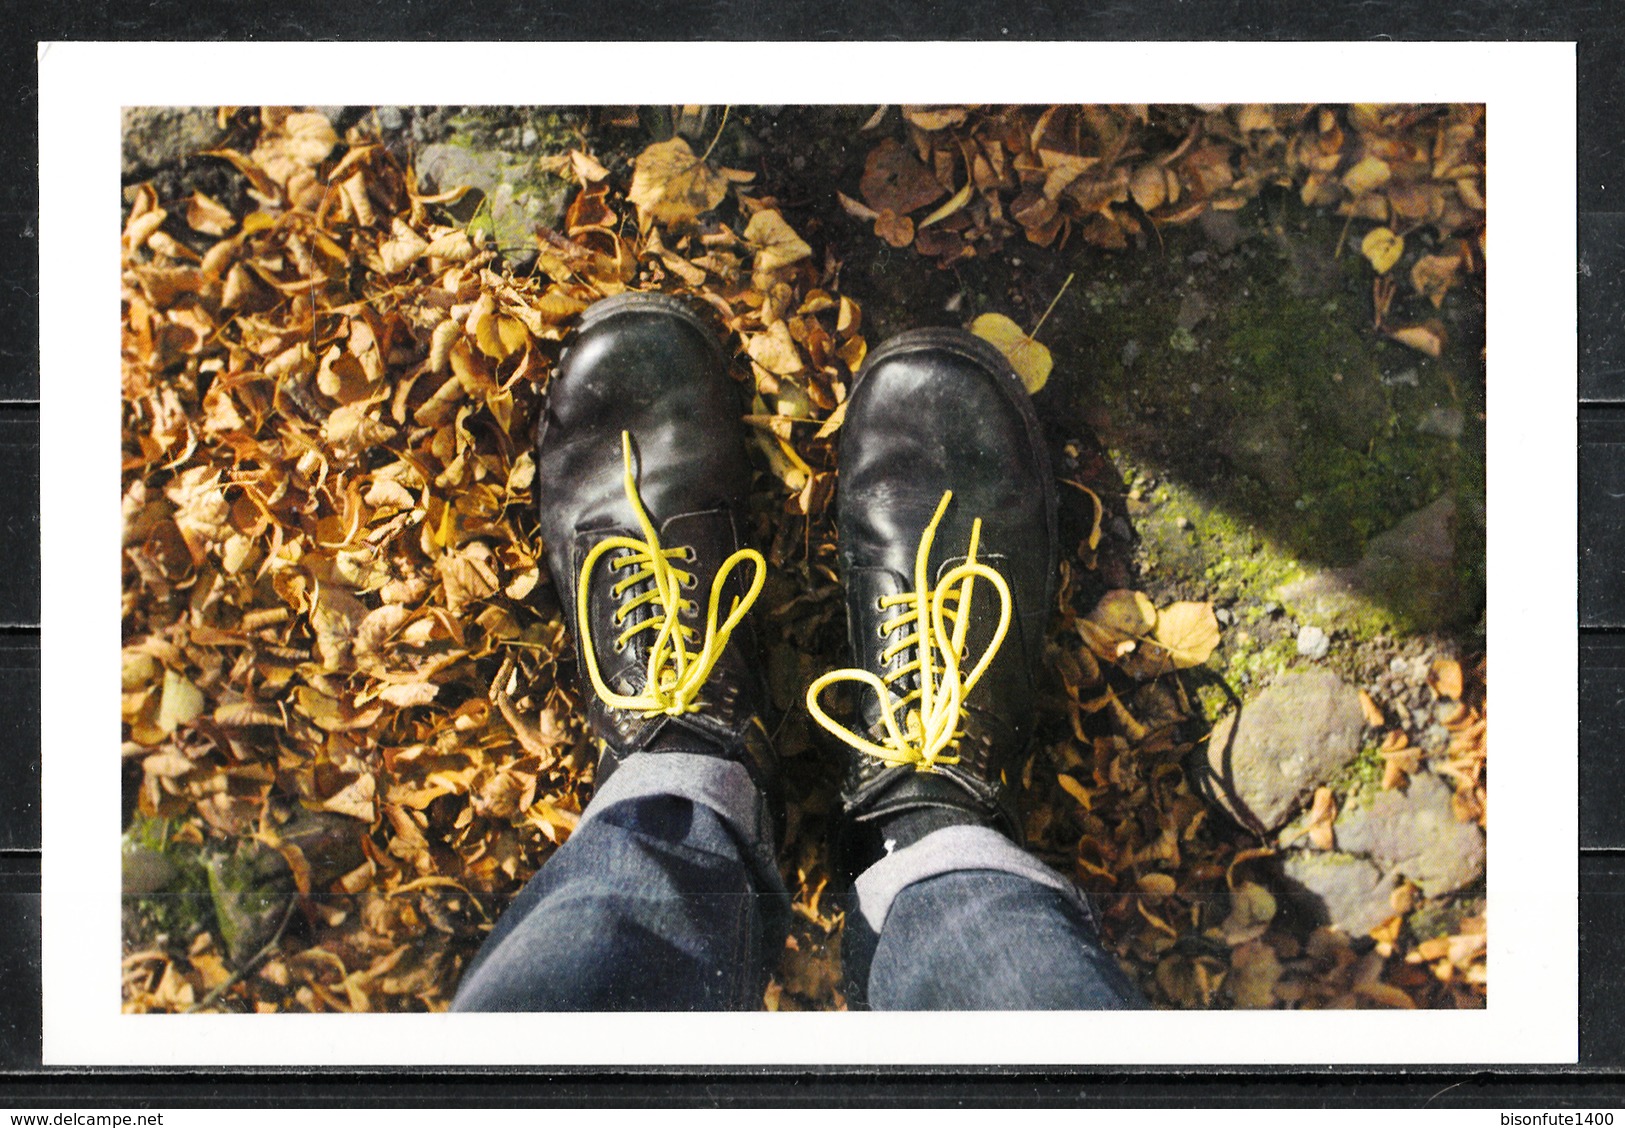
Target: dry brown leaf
{"type": "Point", "coordinates": [895, 180]}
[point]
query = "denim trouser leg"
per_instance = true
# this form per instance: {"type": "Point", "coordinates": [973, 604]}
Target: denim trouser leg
{"type": "Point", "coordinates": [965, 919]}
{"type": "Point", "coordinates": [665, 898]}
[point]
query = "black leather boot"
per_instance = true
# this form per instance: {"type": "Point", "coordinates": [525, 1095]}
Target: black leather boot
{"type": "Point", "coordinates": [947, 528]}
{"type": "Point", "coordinates": [641, 482]}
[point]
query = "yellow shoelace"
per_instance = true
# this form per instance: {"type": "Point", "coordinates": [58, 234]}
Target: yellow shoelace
{"type": "Point", "coordinates": [930, 715]}
{"type": "Point", "coordinates": [676, 673]}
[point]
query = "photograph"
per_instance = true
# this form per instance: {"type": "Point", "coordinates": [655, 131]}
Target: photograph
{"type": "Point", "coordinates": [804, 557]}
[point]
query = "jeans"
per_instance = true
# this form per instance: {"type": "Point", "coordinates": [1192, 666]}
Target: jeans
{"type": "Point", "coordinates": [667, 897]}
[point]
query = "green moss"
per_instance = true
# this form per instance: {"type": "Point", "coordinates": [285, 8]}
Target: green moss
{"type": "Point", "coordinates": [173, 882]}
{"type": "Point", "coordinates": [1360, 781]}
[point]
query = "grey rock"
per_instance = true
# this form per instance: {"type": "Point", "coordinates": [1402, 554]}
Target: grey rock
{"type": "Point", "coordinates": [1414, 834]}
{"type": "Point", "coordinates": [1193, 308]}
{"type": "Point", "coordinates": [1407, 572]}
{"type": "Point", "coordinates": [155, 137]}
{"type": "Point", "coordinates": [1130, 353]}
{"type": "Point", "coordinates": [1222, 228]}
{"type": "Point", "coordinates": [1338, 889]}
{"type": "Point", "coordinates": [146, 872]}
{"type": "Point", "coordinates": [391, 118]}
{"type": "Point", "coordinates": [1405, 377]}
{"type": "Point", "coordinates": [1445, 422]}
{"type": "Point", "coordinates": [1313, 643]}
{"type": "Point", "coordinates": [518, 197]}
{"type": "Point", "coordinates": [1262, 760]}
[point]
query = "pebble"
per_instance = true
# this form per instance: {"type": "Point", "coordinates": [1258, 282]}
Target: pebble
{"type": "Point", "coordinates": [1313, 643]}
{"type": "Point", "coordinates": [390, 118]}
{"type": "Point", "coordinates": [1445, 422]}
{"type": "Point", "coordinates": [1223, 615]}
{"type": "Point", "coordinates": [1405, 376]}
{"type": "Point", "coordinates": [1130, 353]}
{"type": "Point", "coordinates": [1183, 522]}
{"type": "Point", "coordinates": [1272, 608]}
{"type": "Point", "coordinates": [529, 138]}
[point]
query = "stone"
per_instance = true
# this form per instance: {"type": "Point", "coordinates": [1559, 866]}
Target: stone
{"type": "Point", "coordinates": [1414, 834]}
{"type": "Point", "coordinates": [1313, 643]}
{"type": "Point", "coordinates": [156, 137]}
{"type": "Point", "coordinates": [517, 196]}
{"type": "Point", "coordinates": [1407, 572]}
{"type": "Point", "coordinates": [1445, 422]}
{"type": "Point", "coordinates": [1338, 889]}
{"type": "Point", "coordinates": [1265, 758]}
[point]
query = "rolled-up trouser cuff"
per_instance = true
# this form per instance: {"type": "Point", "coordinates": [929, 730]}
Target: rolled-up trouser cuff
{"type": "Point", "coordinates": [949, 850]}
{"type": "Point", "coordinates": [722, 785]}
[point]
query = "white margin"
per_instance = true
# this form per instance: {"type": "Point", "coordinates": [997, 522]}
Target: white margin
{"type": "Point", "coordinates": [1532, 1014]}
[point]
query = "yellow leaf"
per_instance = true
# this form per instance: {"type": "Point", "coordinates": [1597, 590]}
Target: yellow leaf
{"type": "Point", "coordinates": [776, 351]}
{"type": "Point", "coordinates": [1372, 711]}
{"type": "Point", "coordinates": [1189, 632]}
{"type": "Point", "coordinates": [1445, 678]}
{"type": "Point", "coordinates": [777, 245]}
{"type": "Point", "coordinates": [957, 201]}
{"type": "Point", "coordinates": [1149, 187]}
{"type": "Point", "coordinates": [1372, 172]}
{"type": "Point", "coordinates": [182, 702]}
{"type": "Point", "coordinates": [1128, 613]}
{"type": "Point", "coordinates": [1031, 360]}
{"type": "Point", "coordinates": [1425, 338]}
{"type": "Point", "coordinates": [1382, 249]}
{"type": "Point", "coordinates": [1156, 884]}
{"type": "Point", "coordinates": [670, 184]}
{"type": "Point", "coordinates": [1075, 789]}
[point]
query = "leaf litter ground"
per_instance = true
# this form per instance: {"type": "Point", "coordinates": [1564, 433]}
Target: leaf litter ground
{"type": "Point", "coordinates": [351, 718]}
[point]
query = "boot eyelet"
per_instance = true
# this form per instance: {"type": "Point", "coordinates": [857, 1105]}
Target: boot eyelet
{"type": "Point", "coordinates": [689, 555]}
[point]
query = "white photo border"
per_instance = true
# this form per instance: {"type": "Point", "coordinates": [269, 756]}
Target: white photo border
{"type": "Point", "coordinates": [1530, 92]}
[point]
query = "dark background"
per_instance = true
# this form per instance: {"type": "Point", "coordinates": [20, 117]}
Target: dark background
{"type": "Point", "coordinates": [1599, 1079]}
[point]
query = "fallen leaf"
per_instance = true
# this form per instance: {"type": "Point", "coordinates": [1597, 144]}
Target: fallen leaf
{"type": "Point", "coordinates": [1433, 275]}
{"type": "Point", "coordinates": [1445, 678]}
{"type": "Point", "coordinates": [1373, 714]}
{"type": "Point", "coordinates": [208, 215]}
{"type": "Point", "coordinates": [1322, 814]}
{"type": "Point", "coordinates": [672, 185]}
{"type": "Point", "coordinates": [777, 245]}
{"type": "Point", "coordinates": [182, 702]}
{"type": "Point", "coordinates": [897, 230]}
{"type": "Point", "coordinates": [1382, 249]}
{"type": "Point", "coordinates": [895, 180]}
{"type": "Point", "coordinates": [1425, 338]}
{"type": "Point", "coordinates": [1252, 908]}
{"type": "Point", "coordinates": [1031, 360]}
{"type": "Point", "coordinates": [1129, 613]}
{"type": "Point", "coordinates": [1368, 173]}
{"type": "Point", "coordinates": [1188, 631]}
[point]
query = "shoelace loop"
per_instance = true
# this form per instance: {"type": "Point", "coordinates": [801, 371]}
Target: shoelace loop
{"type": "Point", "coordinates": [676, 673]}
{"type": "Point", "coordinates": [922, 725]}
